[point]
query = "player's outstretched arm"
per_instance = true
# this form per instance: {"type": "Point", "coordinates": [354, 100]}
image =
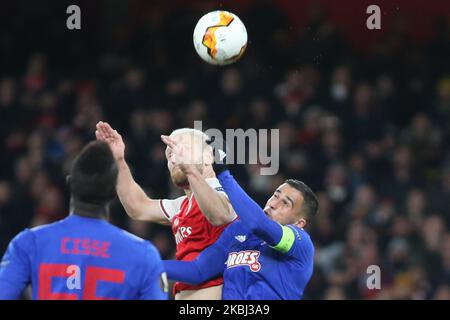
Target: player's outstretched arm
{"type": "Point", "coordinates": [134, 200]}
{"type": "Point", "coordinates": [249, 212]}
{"type": "Point", "coordinates": [208, 264]}
{"type": "Point", "coordinates": [15, 272]}
{"type": "Point", "coordinates": [214, 205]}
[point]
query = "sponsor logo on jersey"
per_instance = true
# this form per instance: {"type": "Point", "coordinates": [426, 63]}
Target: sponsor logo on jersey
{"type": "Point", "coordinates": [182, 233]}
{"type": "Point", "coordinates": [241, 238]}
{"type": "Point", "coordinates": [247, 258]}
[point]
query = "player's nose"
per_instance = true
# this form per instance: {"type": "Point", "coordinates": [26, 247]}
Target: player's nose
{"type": "Point", "coordinates": [273, 204]}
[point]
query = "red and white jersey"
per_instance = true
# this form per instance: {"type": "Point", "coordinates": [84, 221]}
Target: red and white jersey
{"type": "Point", "coordinates": [192, 231]}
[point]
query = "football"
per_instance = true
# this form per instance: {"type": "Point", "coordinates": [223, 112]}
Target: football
{"type": "Point", "coordinates": [220, 37]}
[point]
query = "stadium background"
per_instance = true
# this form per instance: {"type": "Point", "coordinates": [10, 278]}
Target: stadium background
{"type": "Point", "coordinates": [363, 118]}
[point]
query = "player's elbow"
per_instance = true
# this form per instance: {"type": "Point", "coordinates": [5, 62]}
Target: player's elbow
{"type": "Point", "coordinates": [257, 227]}
{"type": "Point", "coordinates": [217, 223]}
{"type": "Point", "coordinates": [135, 206]}
{"type": "Point", "coordinates": [224, 214]}
{"type": "Point", "coordinates": [253, 228]}
{"type": "Point", "coordinates": [134, 215]}
{"type": "Point", "coordinates": [221, 218]}
{"type": "Point", "coordinates": [135, 211]}
{"type": "Point", "coordinates": [201, 277]}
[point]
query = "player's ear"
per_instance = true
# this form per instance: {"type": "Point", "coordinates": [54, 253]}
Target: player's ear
{"type": "Point", "coordinates": [301, 223]}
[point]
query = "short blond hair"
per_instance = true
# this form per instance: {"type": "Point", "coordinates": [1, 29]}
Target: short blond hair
{"type": "Point", "coordinates": [194, 133]}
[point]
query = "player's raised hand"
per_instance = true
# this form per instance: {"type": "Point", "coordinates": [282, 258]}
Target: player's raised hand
{"type": "Point", "coordinates": [106, 133]}
{"type": "Point", "coordinates": [179, 154]}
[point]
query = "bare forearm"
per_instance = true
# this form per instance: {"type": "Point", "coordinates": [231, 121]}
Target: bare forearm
{"type": "Point", "coordinates": [214, 206]}
{"type": "Point", "coordinates": [134, 200]}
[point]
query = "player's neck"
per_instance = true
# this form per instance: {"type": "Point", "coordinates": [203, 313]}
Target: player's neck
{"type": "Point", "coordinates": [88, 210]}
{"type": "Point", "coordinates": [188, 192]}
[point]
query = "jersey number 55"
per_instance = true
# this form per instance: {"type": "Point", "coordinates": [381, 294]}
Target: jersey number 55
{"type": "Point", "coordinates": [48, 271]}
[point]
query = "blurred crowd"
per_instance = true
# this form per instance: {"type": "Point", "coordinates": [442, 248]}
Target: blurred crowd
{"type": "Point", "coordinates": [367, 131]}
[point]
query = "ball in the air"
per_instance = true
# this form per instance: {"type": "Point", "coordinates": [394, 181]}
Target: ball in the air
{"type": "Point", "coordinates": [220, 37]}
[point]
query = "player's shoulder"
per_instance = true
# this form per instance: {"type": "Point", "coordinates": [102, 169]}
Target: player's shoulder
{"type": "Point", "coordinates": [133, 241]}
{"type": "Point", "coordinates": [28, 236]}
{"type": "Point", "coordinates": [25, 235]}
{"type": "Point", "coordinates": [126, 236]}
{"type": "Point", "coordinates": [171, 207]}
{"type": "Point", "coordinates": [145, 247]}
{"type": "Point", "coordinates": [301, 235]}
{"type": "Point", "coordinates": [173, 201]}
{"type": "Point", "coordinates": [46, 228]}
{"type": "Point", "coordinates": [301, 248]}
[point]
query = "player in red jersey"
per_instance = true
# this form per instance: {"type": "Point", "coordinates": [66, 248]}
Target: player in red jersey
{"type": "Point", "coordinates": [197, 218]}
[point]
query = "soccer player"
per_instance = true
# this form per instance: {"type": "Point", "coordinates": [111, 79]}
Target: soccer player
{"type": "Point", "coordinates": [197, 218]}
{"type": "Point", "coordinates": [83, 256]}
{"type": "Point", "coordinates": [266, 254]}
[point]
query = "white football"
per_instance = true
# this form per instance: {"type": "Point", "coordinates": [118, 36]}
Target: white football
{"type": "Point", "coordinates": [220, 37]}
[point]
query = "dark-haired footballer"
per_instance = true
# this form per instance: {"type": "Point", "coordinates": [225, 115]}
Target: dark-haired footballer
{"type": "Point", "coordinates": [266, 254]}
{"type": "Point", "coordinates": [83, 256]}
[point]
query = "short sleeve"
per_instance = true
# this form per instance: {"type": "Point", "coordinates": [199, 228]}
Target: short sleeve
{"type": "Point", "coordinates": [15, 267]}
{"type": "Point", "coordinates": [171, 207]}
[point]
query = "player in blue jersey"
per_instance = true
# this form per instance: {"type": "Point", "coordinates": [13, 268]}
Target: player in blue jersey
{"type": "Point", "coordinates": [83, 256]}
{"type": "Point", "coordinates": [266, 254]}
